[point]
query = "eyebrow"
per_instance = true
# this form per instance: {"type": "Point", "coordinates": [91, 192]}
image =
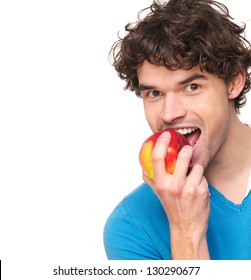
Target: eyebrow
{"type": "Point", "coordinates": [189, 79]}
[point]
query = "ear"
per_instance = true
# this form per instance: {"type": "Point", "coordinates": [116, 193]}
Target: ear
{"type": "Point", "coordinates": [236, 85]}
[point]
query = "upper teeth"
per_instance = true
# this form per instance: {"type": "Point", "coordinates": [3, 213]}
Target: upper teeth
{"type": "Point", "coordinates": [186, 130]}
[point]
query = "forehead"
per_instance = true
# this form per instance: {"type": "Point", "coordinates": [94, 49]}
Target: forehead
{"type": "Point", "coordinates": [152, 74]}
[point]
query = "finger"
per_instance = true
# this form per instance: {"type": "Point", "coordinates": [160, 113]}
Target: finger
{"type": "Point", "coordinates": [183, 160]}
{"type": "Point", "coordinates": [204, 184]}
{"type": "Point", "coordinates": [205, 190]}
{"type": "Point", "coordinates": [196, 174]}
{"type": "Point", "coordinates": [159, 154]}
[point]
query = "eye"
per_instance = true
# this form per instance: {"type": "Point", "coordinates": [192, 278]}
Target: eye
{"type": "Point", "coordinates": [153, 93]}
{"type": "Point", "coordinates": [192, 87]}
{"type": "Point", "coordinates": [150, 95]}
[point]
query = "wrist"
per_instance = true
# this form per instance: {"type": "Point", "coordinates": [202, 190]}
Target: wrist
{"type": "Point", "coordinates": [189, 247]}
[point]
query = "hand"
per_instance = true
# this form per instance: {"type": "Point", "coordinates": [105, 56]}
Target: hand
{"type": "Point", "coordinates": [185, 199]}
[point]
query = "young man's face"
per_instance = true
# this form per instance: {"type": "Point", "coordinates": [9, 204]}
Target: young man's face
{"type": "Point", "coordinates": [195, 103]}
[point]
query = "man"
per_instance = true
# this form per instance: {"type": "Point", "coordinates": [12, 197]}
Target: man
{"type": "Point", "coordinates": [189, 63]}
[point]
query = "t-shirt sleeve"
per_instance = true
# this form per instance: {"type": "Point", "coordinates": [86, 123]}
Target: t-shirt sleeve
{"type": "Point", "coordinates": [126, 239]}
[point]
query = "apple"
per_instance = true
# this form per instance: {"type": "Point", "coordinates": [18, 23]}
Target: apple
{"type": "Point", "coordinates": [145, 156]}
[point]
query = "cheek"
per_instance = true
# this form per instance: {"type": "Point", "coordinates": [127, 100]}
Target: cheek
{"type": "Point", "coordinates": [219, 117]}
{"type": "Point", "coordinates": [214, 109]}
{"type": "Point", "coordinates": [214, 137]}
{"type": "Point", "coordinates": [152, 114]}
{"type": "Point", "coordinates": [216, 122]}
{"type": "Point", "coordinates": [214, 114]}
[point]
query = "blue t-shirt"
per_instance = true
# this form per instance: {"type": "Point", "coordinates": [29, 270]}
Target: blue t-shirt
{"type": "Point", "coordinates": [138, 228]}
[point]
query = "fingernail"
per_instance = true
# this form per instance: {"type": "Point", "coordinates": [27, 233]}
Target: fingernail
{"type": "Point", "coordinates": [165, 134]}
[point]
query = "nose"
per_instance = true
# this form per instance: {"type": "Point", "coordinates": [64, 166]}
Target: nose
{"type": "Point", "coordinates": [173, 108]}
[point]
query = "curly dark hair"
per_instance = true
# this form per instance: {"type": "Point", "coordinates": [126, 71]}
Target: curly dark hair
{"type": "Point", "coordinates": [181, 34]}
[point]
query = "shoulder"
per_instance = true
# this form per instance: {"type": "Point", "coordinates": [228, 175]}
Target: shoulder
{"type": "Point", "coordinates": [140, 203]}
{"type": "Point", "coordinates": [129, 230]}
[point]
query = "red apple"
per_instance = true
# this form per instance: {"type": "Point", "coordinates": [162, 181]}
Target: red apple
{"type": "Point", "coordinates": [145, 156]}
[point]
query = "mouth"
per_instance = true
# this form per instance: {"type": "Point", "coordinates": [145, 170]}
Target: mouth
{"type": "Point", "coordinates": [192, 134]}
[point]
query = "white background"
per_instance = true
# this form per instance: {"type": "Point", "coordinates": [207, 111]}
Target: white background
{"type": "Point", "coordinates": [70, 135]}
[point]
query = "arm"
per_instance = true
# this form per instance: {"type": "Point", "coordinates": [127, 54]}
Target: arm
{"type": "Point", "coordinates": [185, 200]}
